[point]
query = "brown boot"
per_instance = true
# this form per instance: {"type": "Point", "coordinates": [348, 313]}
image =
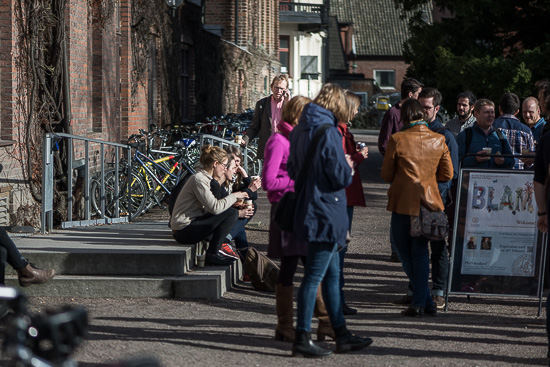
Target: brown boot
{"type": "Point", "coordinates": [30, 275]}
{"type": "Point", "coordinates": [324, 328]}
{"type": "Point", "coordinates": [285, 311]}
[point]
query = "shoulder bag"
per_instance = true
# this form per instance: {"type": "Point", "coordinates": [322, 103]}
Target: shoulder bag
{"type": "Point", "coordinates": [432, 225]}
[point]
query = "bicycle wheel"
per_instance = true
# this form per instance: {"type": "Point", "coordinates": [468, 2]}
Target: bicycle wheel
{"type": "Point", "coordinates": [254, 164]}
{"type": "Point", "coordinates": [157, 193]}
{"type": "Point", "coordinates": [138, 196]}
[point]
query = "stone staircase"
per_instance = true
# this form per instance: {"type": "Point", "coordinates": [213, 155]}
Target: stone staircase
{"type": "Point", "coordinates": [121, 260]}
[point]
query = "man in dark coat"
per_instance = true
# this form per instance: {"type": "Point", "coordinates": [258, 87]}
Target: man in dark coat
{"type": "Point", "coordinates": [267, 113]}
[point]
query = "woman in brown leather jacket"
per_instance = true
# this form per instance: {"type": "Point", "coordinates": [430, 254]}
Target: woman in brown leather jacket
{"type": "Point", "coordinates": [416, 158]}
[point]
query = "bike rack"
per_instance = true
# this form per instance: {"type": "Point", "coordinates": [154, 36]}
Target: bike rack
{"type": "Point", "coordinates": [50, 147]}
{"type": "Point", "coordinates": [221, 142]}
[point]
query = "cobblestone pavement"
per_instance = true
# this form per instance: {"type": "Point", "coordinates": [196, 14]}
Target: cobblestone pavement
{"type": "Point", "coordinates": [238, 329]}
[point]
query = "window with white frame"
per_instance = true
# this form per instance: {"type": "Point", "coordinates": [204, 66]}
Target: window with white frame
{"type": "Point", "coordinates": [284, 54]}
{"type": "Point", "coordinates": [385, 79]}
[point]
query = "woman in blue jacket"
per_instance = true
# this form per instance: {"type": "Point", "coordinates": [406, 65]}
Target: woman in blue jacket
{"type": "Point", "coordinates": [321, 218]}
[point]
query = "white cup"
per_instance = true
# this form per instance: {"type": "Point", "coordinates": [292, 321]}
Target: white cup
{"type": "Point", "coordinates": [200, 260]}
{"type": "Point", "coordinates": [488, 150]}
{"type": "Point", "coordinates": [238, 139]}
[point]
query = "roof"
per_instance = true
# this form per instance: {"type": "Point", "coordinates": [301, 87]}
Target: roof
{"type": "Point", "coordinates": [377, 27]}
{"type": "Point", "coordinates": [337, 59]}
{"type": "Point", "coordinates": [341, 9]}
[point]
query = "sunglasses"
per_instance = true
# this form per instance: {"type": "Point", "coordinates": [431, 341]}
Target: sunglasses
{"type": "Point", "coordinates": [225, 166]}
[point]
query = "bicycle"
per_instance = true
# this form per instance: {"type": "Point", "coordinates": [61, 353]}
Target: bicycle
{"type": "Point", "coordinates": [111, 199]}
{"type": "Point", "coordinates": [152, 179]}
{"type": "Point", "coordinates": [162, 174]}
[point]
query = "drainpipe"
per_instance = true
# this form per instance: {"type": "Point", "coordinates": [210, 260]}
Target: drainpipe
{"type": "Point", "coordinates": [325, 24]}
{"type": "Point", "coordinates": [66, 90]}
{"type": "Point", "coordinates": [237, 22]}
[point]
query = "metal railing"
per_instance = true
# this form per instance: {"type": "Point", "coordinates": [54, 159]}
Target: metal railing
{"type": "Point", "coordinates": [50, 146]}
{"type": "Point", "coordinates": [221, 142]}
{"type": "Point", "coordinates": [301, 7]}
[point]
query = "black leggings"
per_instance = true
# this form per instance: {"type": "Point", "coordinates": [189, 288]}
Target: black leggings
{"type": "Point", "coordinates": [289, 264]}
{"type": "Point", "coordinates": [9, 254]}
{"type": "Point", "coordinates": [214, 228]}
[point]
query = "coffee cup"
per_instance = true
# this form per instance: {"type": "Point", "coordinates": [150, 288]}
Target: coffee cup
{"type": "Point", "coordinates": [238, 139]}
{"type": "Point", "coordinates": [248, 204]}
{"type": "Point", "coordinates": [488, 150]}
{"type": "Point", "coordinates": [200, 260]}
{"type": "Point", "coordinates": [254, 178]}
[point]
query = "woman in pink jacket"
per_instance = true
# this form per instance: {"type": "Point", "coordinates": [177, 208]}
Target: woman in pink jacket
{"type": "Point", "coordinates": [283, 245]}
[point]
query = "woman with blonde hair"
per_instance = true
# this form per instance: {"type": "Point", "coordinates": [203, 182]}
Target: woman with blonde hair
{"type": "Point", "coordinates": [321, 218]}
{"type": "Point", "coordinates": [198, 215]}
{"type": "Point", "coordinates": [416, 159]}
{"type": "Point", "coordinates": [354, 192]}
{"type": "Point", "coordinates": [222, 185]}
{"type": "Point", "coordinates": [283, 245]}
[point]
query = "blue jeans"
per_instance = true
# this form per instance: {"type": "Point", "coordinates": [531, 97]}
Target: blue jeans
{"type": "Point", "coordinates": [238, 233]}
{"type": "Point", "coordinates": [413, 252]}
{"type": "Point", "coordinates": [322, 265]}
{"type": "Point", "coordinates": [392, 241]}
{"type": "Point", "coordinates": [440, 267]}
{"type": "Point", "coordinates": [342, 254]}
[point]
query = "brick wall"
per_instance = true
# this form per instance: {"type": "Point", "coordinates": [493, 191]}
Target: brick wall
{"type": "Point", "coordinates": [12, 178]}
{"type": "Point", "coordinates": [258, 33]}
{"type": "Point", "coordinates": [367, 68]}
{"type": "Point", "coordinates": [101, 103]}
{"type": "Point", "coordinates": [133, 109]}
{"type": "Point", "coordinates": [258, 22]}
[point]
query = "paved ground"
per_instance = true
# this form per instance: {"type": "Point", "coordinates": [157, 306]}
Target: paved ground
{"type": "Point", "coordinates": [238, 329]}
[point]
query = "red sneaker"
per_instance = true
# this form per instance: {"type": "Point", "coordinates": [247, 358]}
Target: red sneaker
{"type": "Point", "coordinates": [227, 250]}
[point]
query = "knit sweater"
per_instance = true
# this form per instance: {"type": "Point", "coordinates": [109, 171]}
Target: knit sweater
{"type": "Point", "coordinates": [195, 200]}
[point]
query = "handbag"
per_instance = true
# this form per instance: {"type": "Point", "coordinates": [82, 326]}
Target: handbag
{"type": "Point", "coordinates": [284, 212]}
{"type": "Point", "coordinates": [431, 224]}
{"type": "Point", "coordinates": [263, 272]}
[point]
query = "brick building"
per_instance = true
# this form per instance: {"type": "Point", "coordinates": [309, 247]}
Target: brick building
{"type": "Point", "coordinates": [197, 59]}
{"type": "Point", "coordinates": [106, 103]}
{"type": "Point", "coordinates": [248, 31]}
{"type": "Point", "coordinates": [370, 42]}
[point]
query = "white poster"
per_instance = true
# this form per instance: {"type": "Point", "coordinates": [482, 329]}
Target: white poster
{"type": "Point", "coordinates": [500, 227]}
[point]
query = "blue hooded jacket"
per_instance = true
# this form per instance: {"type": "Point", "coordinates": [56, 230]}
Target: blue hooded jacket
{"type": "Point", "coordinates": [450, 140]}
{"type": "Point", "coordinates": [321, 214]}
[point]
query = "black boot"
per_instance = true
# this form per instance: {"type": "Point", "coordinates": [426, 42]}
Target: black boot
{"type": "Point", "coordinates": [346, 341]}
{"type": "Point", "coordinates": [303, 346]}
{"type": "Point", "coordinates": [348, 311]}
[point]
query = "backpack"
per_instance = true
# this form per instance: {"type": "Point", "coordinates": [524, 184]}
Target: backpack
{"type": "Point", "coordinates": [263, 272]}
{"type": "Point", "coordinates": [175, 193]}
{"type": "Point", "coordinates": [470, 133]}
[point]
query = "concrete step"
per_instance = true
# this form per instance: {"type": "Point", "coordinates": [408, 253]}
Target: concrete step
{"type": "Point", "coordinates": [208, 282]}
{"type": "Point", "coordinates": [159, 261]}
{"type": "Point", "coordinates": [121, 260]}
